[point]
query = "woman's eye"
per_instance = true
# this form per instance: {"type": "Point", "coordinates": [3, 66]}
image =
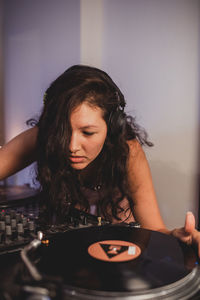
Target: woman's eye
{"type": "Point", "coordinates": [88, 133]}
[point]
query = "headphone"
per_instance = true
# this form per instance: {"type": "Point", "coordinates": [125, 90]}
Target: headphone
{"type": "Point", "coordinates": [117, 120]}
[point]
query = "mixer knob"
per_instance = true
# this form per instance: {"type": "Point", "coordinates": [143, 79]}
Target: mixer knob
{"type": "Point", "coordinates": [18, 217]}
{"type": "Point", "coordinates": [20, 228]}
{"type": "Point", "coordinates": [76, 223]}
{"type": "Point", "coordinates": [85, 221]}
{"type": "Point", "coordinates": [2, 225]}
{"type": "Point", "coordinates": [8, 230]}
{"type": "Point", "coordinates": [2, 237]}
{"type": "Point", "coordinates": [71, 220]}
{"type": "Point", "coordinates": [8, 233]}
{"type": "Point", "coordinates": [7, 219]}
{"type": "Point", "coordinates": [12, 214]}
{"type": "Point", "coordinates": [20, 232]}
{"type": "Point", "coordinates": [2, 215]}
{"type": "Point", "coordinates": [13, 224]}
{"type": "Point", "coordinates": [24, 221]}
{"type": "Point", "coordinates": [31, 225]}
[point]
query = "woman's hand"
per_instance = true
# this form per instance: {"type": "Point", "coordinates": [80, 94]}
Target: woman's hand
{"type": "Point", "coordinates": [188, 234]}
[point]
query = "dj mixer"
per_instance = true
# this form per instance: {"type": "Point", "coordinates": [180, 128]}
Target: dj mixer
{"type": "Point", "coordinates": [20, 224]}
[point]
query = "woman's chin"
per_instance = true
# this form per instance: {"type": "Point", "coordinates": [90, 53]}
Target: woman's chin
{"type": "Point", "coordinates": [79, 166]}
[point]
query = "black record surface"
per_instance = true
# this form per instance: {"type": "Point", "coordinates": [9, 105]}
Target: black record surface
{"type": "Point", "coordinates": [163, 260]}
{"type": "Point", "coordinates": [16, 195]}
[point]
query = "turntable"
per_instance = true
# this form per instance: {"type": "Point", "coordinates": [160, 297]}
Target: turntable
{"type": "Point", "coordinates": [116, 262]}
{"type": "Point", "coordinates": [16, 195]}
{"type": "Point", "coordinates": [85, 260]}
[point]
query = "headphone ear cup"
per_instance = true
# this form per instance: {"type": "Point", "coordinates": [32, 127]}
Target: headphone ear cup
{"type": "Point", "coordinates": [116, 124]}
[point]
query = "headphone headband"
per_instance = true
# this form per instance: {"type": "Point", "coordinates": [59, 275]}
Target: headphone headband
{"type": "Point", "coordinates": [120, 106]}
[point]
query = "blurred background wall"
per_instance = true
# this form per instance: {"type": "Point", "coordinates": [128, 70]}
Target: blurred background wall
{"type": "Point", "coordinates": [149, 47]}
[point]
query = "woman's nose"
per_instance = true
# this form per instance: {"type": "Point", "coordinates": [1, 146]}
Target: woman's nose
{"type": "Point", "coordinates": [74, 144]}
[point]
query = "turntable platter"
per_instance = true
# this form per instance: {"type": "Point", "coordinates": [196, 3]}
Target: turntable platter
{"type": "Point", "coordinates": [13, 195]}
{"type": "Point", "coordinates": [125, 263]}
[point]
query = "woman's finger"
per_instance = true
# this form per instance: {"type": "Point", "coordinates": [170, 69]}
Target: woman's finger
{"type": "Point", "coordinates": [189, 222]}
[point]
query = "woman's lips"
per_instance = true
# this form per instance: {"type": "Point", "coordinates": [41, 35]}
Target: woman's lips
{"type": "Point", "coordinates": [77, 159]}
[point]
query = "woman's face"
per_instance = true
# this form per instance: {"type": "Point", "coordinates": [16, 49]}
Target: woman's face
{"type": "Point", "coordinates": [89, 132]}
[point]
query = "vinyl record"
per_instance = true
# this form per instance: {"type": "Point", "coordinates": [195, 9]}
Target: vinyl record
{"type": "Point", "coordinates": [16, 195]}
{"type": "Point", "coordinates": [121, 262]}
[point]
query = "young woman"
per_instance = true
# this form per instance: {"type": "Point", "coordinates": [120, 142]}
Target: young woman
{"type": "Point", "coordinates": [89, 155]}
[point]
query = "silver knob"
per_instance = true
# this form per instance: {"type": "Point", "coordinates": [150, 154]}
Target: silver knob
{"type": "Point", "coordinates": [13, 223]}
{"type": "Point", "coordinates": [20, 228]}
{"type": "Point", "coordinates": [2, 225]}
{"type": "Point", "coordinates": [31, 226]}
{"type": "Point", "coordinates": [8, 230]}
{"type": "Point", "coordinates": [7, 219]}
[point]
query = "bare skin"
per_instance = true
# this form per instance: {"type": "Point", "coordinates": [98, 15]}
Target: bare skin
{"type": "Point", "coordinates": [145, 204]}
{"type": "Point", "coordinates": [89, 131]}
{"type": "Point", "coordinates": [18, 153]}
{"type": "Point", "coordinates": [146, 208]}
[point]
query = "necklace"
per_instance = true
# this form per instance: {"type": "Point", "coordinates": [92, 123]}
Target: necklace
{"type": "Point", "coordinates": [90, 182]}
{"type": "Point", "coordinates": [95, 187]}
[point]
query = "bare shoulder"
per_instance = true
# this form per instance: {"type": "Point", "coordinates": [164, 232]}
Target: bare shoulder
{"type": "Point", "coordinates": [135, 149]}
{"type": "Point", "coordinates": [146, 210]}
{"type": "Point", "coordinates": [137, 165]}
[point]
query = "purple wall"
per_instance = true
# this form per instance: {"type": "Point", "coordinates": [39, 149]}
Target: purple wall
{"type": "Point", "coordinates": [41, 40]}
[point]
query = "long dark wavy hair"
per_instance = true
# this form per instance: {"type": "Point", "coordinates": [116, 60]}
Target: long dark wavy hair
{"type": "Point", "coordinates": [60, 184]}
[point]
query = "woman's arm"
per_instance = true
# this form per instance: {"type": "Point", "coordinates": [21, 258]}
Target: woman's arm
{"type": "Point", "coordinates": [146, 210]}
{"type": "Point", "coordinates": [18, 153]}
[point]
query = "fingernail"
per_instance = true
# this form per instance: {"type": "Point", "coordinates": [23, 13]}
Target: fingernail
{"type": "Point", "coordinates": [189, 212]}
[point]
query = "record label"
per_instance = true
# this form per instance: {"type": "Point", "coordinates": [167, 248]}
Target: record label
{"type": "Point", "coordinates": [114, 250]}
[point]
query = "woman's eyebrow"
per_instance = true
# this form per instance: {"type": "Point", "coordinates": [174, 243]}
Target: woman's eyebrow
{"type": "Point", "coordinates": [88, 126]}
